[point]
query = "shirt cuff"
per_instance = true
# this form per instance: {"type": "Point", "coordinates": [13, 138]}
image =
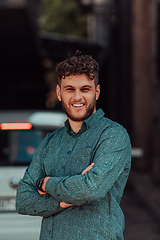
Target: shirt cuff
{"type": "Point", "coordinates": [56, 188]}
{"type": "Point", "coordinates": [51, 187]}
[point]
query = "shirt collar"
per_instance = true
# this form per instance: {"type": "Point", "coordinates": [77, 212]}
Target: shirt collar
{"type": "Point", "coordinates": [87, 124]}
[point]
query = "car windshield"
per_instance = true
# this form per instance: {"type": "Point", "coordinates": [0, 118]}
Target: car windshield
{"type": "Point", "coordinates": [21, 132]}
{"type": "Point", "coordinates": [17, 147]}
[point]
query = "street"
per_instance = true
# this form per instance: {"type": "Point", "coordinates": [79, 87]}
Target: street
{"type": "Point", "coordinates": [141, 222]}
{"type": "Point", "coordinates": [19, 227]}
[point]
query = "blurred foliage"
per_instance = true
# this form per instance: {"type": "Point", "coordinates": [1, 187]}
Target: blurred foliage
{"type": "Point", "coordinates": [63, 16]}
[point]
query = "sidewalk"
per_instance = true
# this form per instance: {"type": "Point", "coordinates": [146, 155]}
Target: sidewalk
{"type": "Point", "coordinates": [140, 204]}
{"type": "Point", "coordinates": [147, 190]}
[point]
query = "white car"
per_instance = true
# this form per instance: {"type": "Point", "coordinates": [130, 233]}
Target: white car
{"type": "Point", "coordinates": [20, 134]}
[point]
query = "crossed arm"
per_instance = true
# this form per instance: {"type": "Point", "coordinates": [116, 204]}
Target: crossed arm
{"type": "Point", "coordinates": [62, 204]}
{"type": "Point", "coordinates": [112, 161]}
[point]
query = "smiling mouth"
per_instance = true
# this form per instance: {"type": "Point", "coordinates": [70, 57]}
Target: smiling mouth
{"type": "Point", "coordinates": [78, 105]}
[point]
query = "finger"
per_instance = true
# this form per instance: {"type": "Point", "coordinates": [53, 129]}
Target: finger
{"type": "Point", "coordinates": [41, 193]}
{"type": "Point", "coordinates": [65, 205]}
{"type": "Point", "coordinates": [87, 169]}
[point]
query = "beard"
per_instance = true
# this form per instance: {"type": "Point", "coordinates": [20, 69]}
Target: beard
{"type": "Point", "coordinates": [89, 111]}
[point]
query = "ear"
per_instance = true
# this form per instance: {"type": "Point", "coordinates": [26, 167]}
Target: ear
{"type": "Point", "coordinates": [97, 92]}
{"type": "Point", "coordinates": [58, 91]}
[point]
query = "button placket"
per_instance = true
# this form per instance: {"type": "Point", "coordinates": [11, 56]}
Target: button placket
{"type": "Point", "coordinates": [69, 152]}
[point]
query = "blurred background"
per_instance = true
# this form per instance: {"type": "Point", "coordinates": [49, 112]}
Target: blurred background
{"type": "Point", "coordinates": [124, 37]}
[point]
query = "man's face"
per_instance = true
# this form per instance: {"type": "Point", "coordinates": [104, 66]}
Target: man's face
{"type": "Point", "coordinates": [78, 96]}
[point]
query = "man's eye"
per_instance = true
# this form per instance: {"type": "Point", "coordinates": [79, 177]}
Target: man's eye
{"type": "Point", "coordinates": [85, 89]}
{"type": "Point", "coordinates": [70, 89]}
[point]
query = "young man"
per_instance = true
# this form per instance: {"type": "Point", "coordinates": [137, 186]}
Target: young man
{"type": "Point", "coordinates": [77, 176]}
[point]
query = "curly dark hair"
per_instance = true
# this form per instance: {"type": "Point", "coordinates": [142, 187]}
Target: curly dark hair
{"type": "Point", "coordinates": [78, 64]}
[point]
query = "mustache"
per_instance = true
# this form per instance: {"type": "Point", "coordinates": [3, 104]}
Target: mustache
{"type": "Point", "coordinates": [79, 102]}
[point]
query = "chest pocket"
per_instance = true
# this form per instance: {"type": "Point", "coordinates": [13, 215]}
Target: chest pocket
{"type": "Point", "coordinates": [79, 160]}
{"type": "Point", "coordinates": [69, 164]}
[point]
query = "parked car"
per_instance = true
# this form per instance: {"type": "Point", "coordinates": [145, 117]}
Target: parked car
{"type": "Point", "coordinates": [20, 134]}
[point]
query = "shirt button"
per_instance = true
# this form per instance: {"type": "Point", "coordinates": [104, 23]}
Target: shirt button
{"type": "Point", "coordinates": [106, 163]}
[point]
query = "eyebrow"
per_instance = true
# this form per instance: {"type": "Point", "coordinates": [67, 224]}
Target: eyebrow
{"type": "Point", "coordinates": [85, 86]}
{"type": "Point", "coordinates": [68, 86]}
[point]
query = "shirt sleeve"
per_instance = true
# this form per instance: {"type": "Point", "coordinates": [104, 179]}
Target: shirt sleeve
{"type": "Point", "coordinates": [28, 200]}
{"type": "Point", "coordinates": [112, 162]}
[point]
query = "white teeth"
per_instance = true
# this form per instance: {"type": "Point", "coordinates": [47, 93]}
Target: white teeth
{"type": "Point", "coordinates": [77, 105]}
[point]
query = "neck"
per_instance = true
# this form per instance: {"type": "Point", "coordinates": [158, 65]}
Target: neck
{"type": "Point", "coordinates": [75, 126]}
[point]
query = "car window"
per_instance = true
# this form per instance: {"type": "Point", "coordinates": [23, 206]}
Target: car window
{"type": "Point", "coordinates": [17, 147]}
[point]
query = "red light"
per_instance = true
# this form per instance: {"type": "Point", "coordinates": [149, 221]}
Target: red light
{"type": "Point", "coordinates": [16, 126]}
{"type": "Point", "coordinates": [30, 150]}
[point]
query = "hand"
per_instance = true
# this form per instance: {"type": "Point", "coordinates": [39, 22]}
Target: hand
{"type": "Point", "coordinates": [43, 186]}
{"type": "Point", "coordinates": [44, 182]}
{"type": "Point", "coordinates": [41, 193]}
{"type": "Point", "coordinates": [66, 205]}
{"type": "Point", "coordinates": [87, 169]}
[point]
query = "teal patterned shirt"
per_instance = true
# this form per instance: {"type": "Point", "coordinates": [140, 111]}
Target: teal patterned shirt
{"type": "Point", "coordinates": [96, 195]}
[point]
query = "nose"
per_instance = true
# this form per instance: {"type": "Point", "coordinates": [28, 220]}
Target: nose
{"type": "Point", "coordinates": [77, 95]}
